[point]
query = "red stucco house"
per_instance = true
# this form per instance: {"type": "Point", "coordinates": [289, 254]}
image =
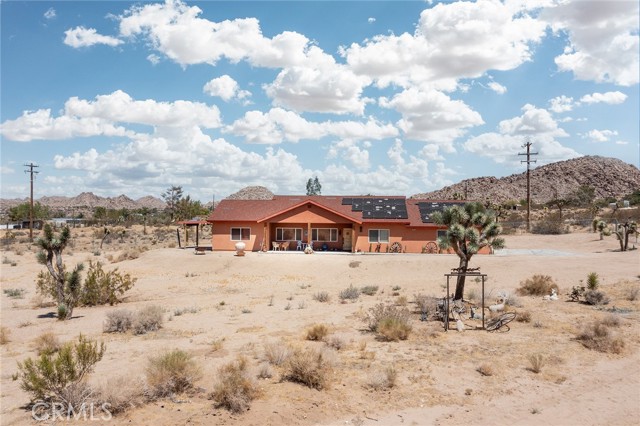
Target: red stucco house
{"type": "Point", "coordinates": [353, 224]}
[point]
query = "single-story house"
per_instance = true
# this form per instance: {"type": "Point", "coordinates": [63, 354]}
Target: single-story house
{"type": "Point", "coordinates": [333, 223]}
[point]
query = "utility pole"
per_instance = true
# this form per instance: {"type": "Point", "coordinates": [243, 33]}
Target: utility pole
{"type": "Point", "coordinates": [31, 172]}
{"type": "Point", "coordinates": [528, 161]}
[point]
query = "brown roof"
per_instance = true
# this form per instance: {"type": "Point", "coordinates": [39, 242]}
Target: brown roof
{"type": "Point", "coordinates": [262, 210]}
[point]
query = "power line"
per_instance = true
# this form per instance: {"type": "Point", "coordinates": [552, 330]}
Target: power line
{"type": "Point", "coordinates": [528, 161]}
{"type": "Point", "coordinates": [31, 172]}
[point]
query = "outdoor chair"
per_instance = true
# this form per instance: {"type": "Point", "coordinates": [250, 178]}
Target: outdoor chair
{"type": "Point", "coordinates": [284, 246]}
{"type": "Point", "coordinates": [276, 245]}
{"type": "Point", "coordinates": [299, 245]}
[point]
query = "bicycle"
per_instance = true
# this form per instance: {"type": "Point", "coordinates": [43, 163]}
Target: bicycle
{"type": "Point", "coordinates": [495, 324]}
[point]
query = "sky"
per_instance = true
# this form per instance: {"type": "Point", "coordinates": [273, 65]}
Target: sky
{"type": "Point", "coordinates": [372, 97]}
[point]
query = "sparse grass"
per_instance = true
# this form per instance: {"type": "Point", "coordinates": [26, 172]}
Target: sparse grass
{"type": "Point", "coordinates": [217, 345]}
{"type": "Point", "coordinates": [336, 342]}
{"type": "Point", "coordinates": [122, 393]}
{"type": "Point", "coordinates": [536, 362]}
{"type": "Point", "coordinates": [426, 305]}
{"type": "Point", "coordinates": [611, 320]}
{"type": "Point", "coordinates": [393, 329]}
{"type": "Point", "coordinates": [485, 369]}
{"type": "Point", "coordinates": [4, 335]}
{"type": "Point", "coordinates": [369, 290]}
{"type": "Point", "coordinates": [596, 297]}
{"type": "Point", "coordinates": [402, 301]}
{"type": "Point", "coordinates": [288, 307]}
{"type": "Point", "coordinates": [246, 311]}
{"type": "Point", "coordinates": [632, 294]}
{"type": "Point", "coordinates": [396, 288]}
{"type": "Point", "coordinates": [171, 373]}
{"type": "Point", "coordinates": [597, 336]}
{"type": "Point", "coordinates": [523, 316]}
{"type": "Point", "coordinates": [15, 293]}
{"type": "Point", "coordinates": [390, 322]}
{"type": "Point", "coordinates": [235, 389]}
{"type": "Point", "coordinates": [148, 319]}
{"type": "Point", "coordinates": [119, 321]}
{"type": "Point", "coordinates": [187, 310]}
{"type": "Point", "coordinates": [47, 344]}
{"type": "Point", "coordinates": [277, 353]}
{"type": "Point", "coordinates": [317, 332]}
{"type": "Point", "coordinates": [309, 367]}
{"type": "Point", "coordinates": [322, 297]}
{"type": "Point", "coordinates": [384, 379]}
{"type": "Point", "coordinates": [350, 293]}
{"type": "Point", "coordinates": [302, 304]}
{"type": "Point", "coordinates": [265, 371]}
{"type": "Point", "coordinates": [537, 285]}
{"type": "Point", "coordinates": [538, 324]}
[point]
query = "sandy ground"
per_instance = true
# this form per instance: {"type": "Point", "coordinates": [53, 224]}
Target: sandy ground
{"type": "Point", "coordinates": [247, 302]}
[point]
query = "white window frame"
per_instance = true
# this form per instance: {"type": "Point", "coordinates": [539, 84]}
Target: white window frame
{"type": "Point", "coordinates": [296, 231]}
{"type": "Point", "coordinates": [378, 239]}
{"type": "Point", "coordinates": [333, 235]}
{"type": "Point", "coordinates": [240, 230]}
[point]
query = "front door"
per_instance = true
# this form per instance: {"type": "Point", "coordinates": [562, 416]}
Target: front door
{"type": "Point", "coordinates": [347, 234]}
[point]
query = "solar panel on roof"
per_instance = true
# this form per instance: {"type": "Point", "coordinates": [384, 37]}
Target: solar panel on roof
{"type": "Point", "coordinates": [428, 208]}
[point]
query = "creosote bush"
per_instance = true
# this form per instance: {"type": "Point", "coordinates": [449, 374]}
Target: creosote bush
{"type": "Point", "coordinates": [317, 332]}
{"type": "Point", "coordinates": [171, 373]}
{"type": "Point", "coordinates": [101, 287]}
{"type": "Point", "coordinates": [309, 367]}
{"type": "Point", "coordinates": [148, 319]}
{"type": "Point", "coordinates": [53, 377]}
{"type": "Point", "coordinates": [537, 285]}
{"type": "Point", "coordinates": [235, 389]}
{"type": "Point", "coordinates": [598, 336]}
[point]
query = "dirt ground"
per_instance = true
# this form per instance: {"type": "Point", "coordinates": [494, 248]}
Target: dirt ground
{"type": "Point", "coordinates": [219, 306]}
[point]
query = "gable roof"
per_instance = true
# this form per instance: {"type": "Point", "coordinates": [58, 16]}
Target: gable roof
{"type": "Point", "coordinates": [263, 210]}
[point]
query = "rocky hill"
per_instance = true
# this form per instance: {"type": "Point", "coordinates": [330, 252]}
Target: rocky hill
{"type": "Point", "coordinates": [252, 193]}
{"type": "Point", "coordinates": [609, 177]}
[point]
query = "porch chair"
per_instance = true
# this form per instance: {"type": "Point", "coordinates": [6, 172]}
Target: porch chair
{"type": "Point", "coordinates": [276, 245]}
{"type": "Point", "coordinates": [299, 245]}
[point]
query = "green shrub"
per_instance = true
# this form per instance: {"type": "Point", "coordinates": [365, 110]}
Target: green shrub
{"type": "Point", "coordinates": [549, 226]}
{"type": "Point", "coordinates": [593, 281]}
{"type": "Point", "coordinates": [51, 376]}
{"type": "Point", "coordinates": [171, 373]}
{"type": "Point", "coordinates": [15, 293]}
{"type": "Point", "coordinates": [101, 287]}
{"type": "Point", "coordinates": [369, 290]}
{"type": "Point", "coordinates": [537, 285]}
{"type": "Point", "coordinates": [148, 319]}
{"type": "Point", "coordinates": [235, 389]}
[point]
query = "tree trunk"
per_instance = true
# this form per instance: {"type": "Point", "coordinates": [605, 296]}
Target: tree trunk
{"type": "Point", "coordinates": [464, 264]}
{"type": "Point", "coordinates": [626, 236]}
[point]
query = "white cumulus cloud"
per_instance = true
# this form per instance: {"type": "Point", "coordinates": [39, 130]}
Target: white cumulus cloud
{"type": "Point", "coordinates": [85, 37]}
{"type": "Point", "coordinates": [226, 88]}
{"type": "Point", "coordinates": [612, 98]}
{"type": "Point", "coordinates": [600, 135]}
{"type": "Point", "coordinates": [50, 13]}
{"type": "Point", "coordinates": [561, 104]}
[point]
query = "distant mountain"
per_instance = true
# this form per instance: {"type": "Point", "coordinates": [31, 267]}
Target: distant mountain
{"type": "Point", "coordinates": [88, 201]}
{"type": "Point", "coordinates": [609, 177]}
{"type": "Point", "coordinates": [252, 193]}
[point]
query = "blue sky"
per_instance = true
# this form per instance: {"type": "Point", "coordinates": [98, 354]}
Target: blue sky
{"type": "Point", "coordinates": [383, 97]}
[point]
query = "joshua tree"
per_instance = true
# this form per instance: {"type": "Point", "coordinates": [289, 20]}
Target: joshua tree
{"type": "Point", "coordinates": [67, 285]}
{"type": "Point", "coordinates": [314, 187]}
{"type": "Point", "coordinates": [623, 231]}
{"type": "Point", "coordinates": [601, 227]}
{"type": "Point", "coordinates": [470, 228]}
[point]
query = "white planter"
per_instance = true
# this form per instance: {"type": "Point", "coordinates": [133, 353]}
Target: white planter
{"type": "Point", "coordinates": [240, 246]}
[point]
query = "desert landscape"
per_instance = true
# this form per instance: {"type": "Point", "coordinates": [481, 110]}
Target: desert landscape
{"type": "Point", "coordinates": [264, 307]}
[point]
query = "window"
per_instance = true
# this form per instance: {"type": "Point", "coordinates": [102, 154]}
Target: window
{"type": "Point", "coordinates": [442, 233]}
{"type": "Point", "coordinates": [238, 234]}
{"type": "Point", "coordinates": [289, 234]}
{"type": "Point", "coordinates": [378, 235]}
{"type": "Point", "coordinates": [324, 234]}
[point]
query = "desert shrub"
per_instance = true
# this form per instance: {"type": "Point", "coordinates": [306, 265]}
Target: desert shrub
{"type": "Point", "coordinates": [336, 342]}
{"type": "Point", "coordinates": [390, 322]}
{"type": "Point", "coordinates": [101, 287]}
{"type": "Point", "coordinates": [15, 293]}
{"type": "Point", "coordinates": [486, 370]}
{"type": "Point", "coordinates": [309, 367]}
{"type": "Point", "coordinates": [593, 281]}
{"type": "Point", "coordinates": [317, 332]}
{"type": "Point", "coordinates": [632, 294]}
{"type": "Point", "coordinates": [121, 393]}
{"type": "Point", "coordinates": [171, 373]}
{"type": "Point", "coordinates": [611, 320]}
{"type": "Point", "coordinates": [596, 297]}
{"type": "Point", "coordinates": [597, 336]}
{"type": "Point", "coordinates": [47, 344]}
{"type": "Point", "coordinates": [549, 226]}
{"type": "Point", "coordinates": [148, 319]}
{"type": "Point", "coordinates": [4, 335]}
{"type": "Point", "coordinates": [523, 316]}
{"type": "Point", "coordinates": [235, 389]}
{"type": "Point", "coordinates": [536, 362]}
{"type": "Point", "coordinates": [537, 285]}
{"type": "Point", "coordinates": [277, 353]}
{"type": "Point", "coordinates": [384, 379]}
{"type": "Point", "coordinates": [354, 263]}
{"type": "Point", "coordinates": [52, 377]}
{"type": "Point", "coordinates": [393, 329]}
{"type": "Point", "coordinates": [322, 296]}
{"type": "Point", "coordinates": [350, 293]}
{"type": "Point", "coordinates": [369, 290]}
{"type": "Point", "coordinates": [265, 371]}
{"type": "Point", "coordinates": [426, 305]}
{"type": "Point", "coordinates": [119, 321]}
